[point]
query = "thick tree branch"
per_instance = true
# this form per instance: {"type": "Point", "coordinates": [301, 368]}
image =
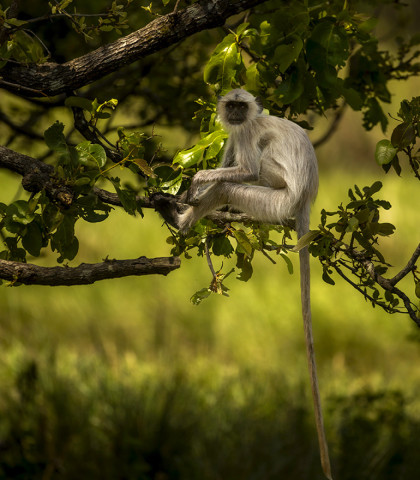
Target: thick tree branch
{"type": "Point", "coordinates": [36, 175]}
{"type": "Point", "coordinates": [53, 79]}
{"type": "Point", "coordinates": [85, 273]}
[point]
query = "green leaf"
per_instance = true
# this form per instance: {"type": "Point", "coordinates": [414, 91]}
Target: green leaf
{"type": "Point", "coordinates": [374, 188]}
{"type": "Point", "coordinates": [327, 279]}
{"type": "Point", "coordinates": [253, 82]}
{"type": "Point", "coordinates": [64, 241]}
{"type": "Point", "coordinates": [223, 63]}
{"type": "Point", "coordinates": [288, 262]}
{"type": "Point", "coordinates": [54, 138]}
{"type": "Point", "coordinates": [222, 246]}
{"type": "Point", "coordinates": [190, 157]}
{"type": "Point", "coordinates": [293, 86]}
{"type": "Point", "coordinates": [374, 115]}
{"type": "Point", "coordinates": [213, 142]}
{"type": "Point", "coordinates": [52, 217]}
{"type": "Point", "coordinates": [199, 296]}
{"type": "Point", "coordinates": [128, 200]}
{"type": "Point", "coordinates": [305, 240]}
{"type": "Point", "coordinates": [353, 98]}
{"type": "Point", "coordinates": [384, 152]}
{"type": "Point", "coordinates": [352, 224]}
{"type": "Point", "coordinates": [385, 229]}
{"type": "Point", "coordinates": [173, 185]}
{"type": "Point", "coordinates": [403, 135]}
{"type": "Point", "coordinates": [91, 154]}
{"type": "Point", "coordinates": [243, 242]}
{"type": "Point", "coordinates": [32, 240]}
{"type": "Point", "coordinates": [18, 214]}
{"type": "Point", "coordinates": [286, 54]}
{"type": "Point", "coordinates": [245, 265]}
{"type": "Point", "coordinates": [333, 42]}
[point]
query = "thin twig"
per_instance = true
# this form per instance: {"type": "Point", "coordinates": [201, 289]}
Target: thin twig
{"type": "Point", "coordinates": [209, 262]}
{"type": "Point", "coordinates": [332, 128]}
{"type": "Point", "coordinates": [408, 268]}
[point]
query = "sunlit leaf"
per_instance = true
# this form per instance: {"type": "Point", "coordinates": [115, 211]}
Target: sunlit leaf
{"type": "Point", "coordinates": [305, 240]}
{"type": "Point", "coordinates": [199, 296]}
{"type": "Point", "coordinates": [384, 152]}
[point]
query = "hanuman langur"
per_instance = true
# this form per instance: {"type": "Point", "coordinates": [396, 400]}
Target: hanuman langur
{"type": "Point", "coordinates": [269, 171]}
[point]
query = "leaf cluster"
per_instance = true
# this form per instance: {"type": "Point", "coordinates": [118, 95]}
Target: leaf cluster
{"type": "Point", "coordinates": [403, 140]}
{"type": "Point", "coordinates": [347, 243]}
{"type": "Point", "coordinates": [236, 242]}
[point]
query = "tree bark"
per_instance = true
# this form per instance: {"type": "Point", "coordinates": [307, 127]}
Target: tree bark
{"type": "Point", "coordinates": [36, 176]}
{"type": "Point", "coordinates": [51, 79]}
{"type": "Point", "coordinates": [85, 273]}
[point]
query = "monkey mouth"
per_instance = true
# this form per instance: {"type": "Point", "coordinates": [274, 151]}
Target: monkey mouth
{"type": "Point", "coordinates": [235, 121]}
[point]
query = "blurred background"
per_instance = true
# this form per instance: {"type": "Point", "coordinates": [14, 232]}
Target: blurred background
{"type": "Point", "coordinates": [127, 379]}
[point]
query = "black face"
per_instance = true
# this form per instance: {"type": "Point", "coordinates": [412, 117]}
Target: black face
{"type": "Point", "coordinates": [236, 112]}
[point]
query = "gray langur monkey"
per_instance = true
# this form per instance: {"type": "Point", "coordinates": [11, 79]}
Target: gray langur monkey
{"type": "Point", "coordinates": [270, 172]}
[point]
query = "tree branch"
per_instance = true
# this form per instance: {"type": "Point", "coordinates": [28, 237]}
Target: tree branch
{"type": "Point", "coordinates": [408, 268]}
{"type": "Point", "coordinates": [53, 79]}
{"type": "Point", "coordinates": [338, 114]}
{"type": "Point", "coordinates": [385, 283]}
{"type": "Point", "coordinates": [85, 273]}
{"type": "Point", "coordinates": [36, 176]}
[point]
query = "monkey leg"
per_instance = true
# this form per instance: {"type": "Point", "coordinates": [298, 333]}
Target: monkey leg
{"type": "Point", "coordinates": [265, 204]}
{"type": "Point", "coordinates": [211, 197]}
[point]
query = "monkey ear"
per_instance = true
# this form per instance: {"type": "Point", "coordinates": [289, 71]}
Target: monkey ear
{"type": "Point", "coordinates": [259, 103]}
{"type": "Point", "coordinates": [219, 97]}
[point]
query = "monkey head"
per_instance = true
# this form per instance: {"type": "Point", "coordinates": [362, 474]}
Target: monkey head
{"type": "Point", "coordinates": [238, 107]}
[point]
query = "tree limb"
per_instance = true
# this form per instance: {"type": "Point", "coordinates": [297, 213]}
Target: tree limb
{"type": "Point", "coordinates": [408, 268]}
{"type": "Point", "coordinates": [385, 283]}
{"type": "Point", "coordinates": [36, 176]}
{"type": "Point", "coordinates": [53, 79]}
{"type": "Point", "coordinates": [85, 273]}
{"type": "Point", "coordinates": [338, 114]}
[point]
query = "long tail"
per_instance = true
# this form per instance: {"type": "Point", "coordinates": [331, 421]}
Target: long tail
{"type": "Point", "coordinates": [302, 228]}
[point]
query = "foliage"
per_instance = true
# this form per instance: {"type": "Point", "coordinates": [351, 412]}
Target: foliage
{"type": "Point", "coordinates": [212, 426]}
{"type": "Point", "coordinates": [301, 58]}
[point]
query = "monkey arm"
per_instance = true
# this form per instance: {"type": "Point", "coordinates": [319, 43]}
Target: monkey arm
{"type": "Point", "coordinates": [223, 174]}
{"type": "Point", "coordinates": [228, 174]}
{"type": "Point", "coordinates": [229, 156]}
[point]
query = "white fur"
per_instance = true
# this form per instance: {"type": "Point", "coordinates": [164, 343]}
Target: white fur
{"type": "Point", "coordinates": [272, 176]}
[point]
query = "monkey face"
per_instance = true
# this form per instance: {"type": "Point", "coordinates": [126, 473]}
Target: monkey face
{"type": "Point", "coordinates": [236, 112]}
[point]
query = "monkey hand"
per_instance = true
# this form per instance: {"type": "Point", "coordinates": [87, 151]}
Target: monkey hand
{"type": "Point", "coordinates": [192, 195]}
{"type": "Point", "coordinates": [167, 206]}
{"type": "Point", "coordinates": [203, 176]}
